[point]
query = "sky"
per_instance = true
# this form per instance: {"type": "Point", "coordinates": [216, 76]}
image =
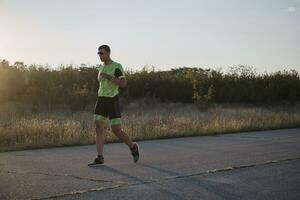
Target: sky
{"type": "Point", "coordinates": [264, 34]}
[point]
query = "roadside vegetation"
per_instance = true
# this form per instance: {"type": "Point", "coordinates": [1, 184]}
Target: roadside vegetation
{"type": "Point", "coordinates": [42, 107]}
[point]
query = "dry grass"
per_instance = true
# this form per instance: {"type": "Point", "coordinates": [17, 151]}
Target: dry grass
{"type": "Point", "coordinates": [20, 129]}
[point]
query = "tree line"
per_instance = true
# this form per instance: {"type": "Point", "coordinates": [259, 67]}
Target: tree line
{"type": "Point", "coordinates": [76, 87]}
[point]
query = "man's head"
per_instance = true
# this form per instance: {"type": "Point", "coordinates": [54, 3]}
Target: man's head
{"type": "Point", "coordinates": [104, 53]}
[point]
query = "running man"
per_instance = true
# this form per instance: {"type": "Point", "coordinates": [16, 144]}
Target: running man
{"type": "Point", "coordinates": [107, 109]}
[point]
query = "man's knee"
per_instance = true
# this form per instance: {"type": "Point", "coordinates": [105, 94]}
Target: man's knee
{"type": "Point", "coordinates": [116, 129]}
{"type": "Point", "coordinates": [99, 127]}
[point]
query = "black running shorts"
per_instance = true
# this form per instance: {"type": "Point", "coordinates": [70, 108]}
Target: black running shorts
{"type": "Point", "coordinates": [108, 107]}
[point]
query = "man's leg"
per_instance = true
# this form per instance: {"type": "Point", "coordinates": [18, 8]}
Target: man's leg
{"type": "Point", "coordinates": [117, 130]}
{"type": "Point", "coordinates": [99, 125]}
{"type": "Point", "coordinates": [134, 148]}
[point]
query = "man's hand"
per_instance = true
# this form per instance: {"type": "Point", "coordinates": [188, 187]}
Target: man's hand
{"type": "Point", "coordinates": [106, 76]}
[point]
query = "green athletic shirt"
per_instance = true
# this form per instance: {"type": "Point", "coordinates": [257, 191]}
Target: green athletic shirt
{"type": "Point", "coordinates": [106, 87]}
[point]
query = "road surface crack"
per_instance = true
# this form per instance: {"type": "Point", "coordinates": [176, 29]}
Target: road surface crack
{"type": "Point", "coordinates": [65, 175]}
{"type": "Point", "coordinates": [119, 185]}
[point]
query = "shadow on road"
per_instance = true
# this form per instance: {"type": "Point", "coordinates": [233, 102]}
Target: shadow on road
{"type": "Point", "coordinates": [157, 188]}
{"type": "Point", "coordinates": [206, 185]}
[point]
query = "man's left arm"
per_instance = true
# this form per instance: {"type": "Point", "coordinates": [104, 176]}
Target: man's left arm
{"type": "Point", "coordinates": [118, 79]}
{"type": "Point", "coordinates": [121, 82]}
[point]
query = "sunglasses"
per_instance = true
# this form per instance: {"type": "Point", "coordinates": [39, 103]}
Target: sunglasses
{"type": "Point", "coordinates": [100, 53]}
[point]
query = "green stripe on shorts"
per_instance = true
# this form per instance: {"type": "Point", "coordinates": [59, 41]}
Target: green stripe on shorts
{"type": "Point", "coordinates": [100, 117]}
{"type": "Point", "coordinates": [115, 121]}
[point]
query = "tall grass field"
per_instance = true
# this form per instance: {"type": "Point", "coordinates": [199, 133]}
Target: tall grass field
{"type": "Point", "coordinates": [23, 129]}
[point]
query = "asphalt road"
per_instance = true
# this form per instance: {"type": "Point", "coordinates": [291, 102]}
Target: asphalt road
{"type": "Point", "coordinates": [252, 165]}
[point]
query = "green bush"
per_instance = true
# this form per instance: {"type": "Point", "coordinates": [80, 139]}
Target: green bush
{"type": "Point", "coordinates": [76, 87]}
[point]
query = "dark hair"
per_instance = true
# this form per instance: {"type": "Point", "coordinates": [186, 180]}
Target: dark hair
{"type": "Point", "coordinates": [105, 47]}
